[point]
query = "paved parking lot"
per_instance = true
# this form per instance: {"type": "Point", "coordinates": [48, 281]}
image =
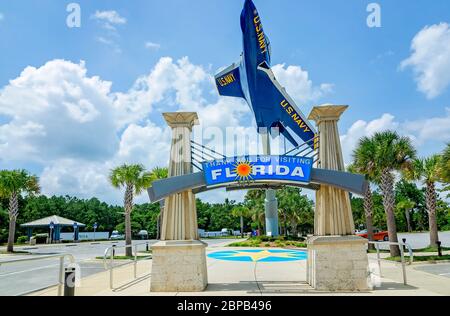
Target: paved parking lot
{"type": "Point", "coordinates": [24, 277]}
{"type": "Point", "coordinates": [442, 269]}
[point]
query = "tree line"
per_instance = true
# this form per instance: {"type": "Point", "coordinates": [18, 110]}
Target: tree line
{"type": "Point", "coordinates": [387, 203]}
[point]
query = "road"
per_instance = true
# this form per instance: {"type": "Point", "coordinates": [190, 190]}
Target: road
{"type": "Point", "coordinates": [23, 277]}
{"type": "Point", "coordinates": [442, 269]}
{"type": "Point", "coordinates": [422, 240]}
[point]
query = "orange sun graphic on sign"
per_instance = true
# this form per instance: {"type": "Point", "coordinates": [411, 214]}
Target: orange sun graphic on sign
{"type": "Point", "coordinates": [243, 169]}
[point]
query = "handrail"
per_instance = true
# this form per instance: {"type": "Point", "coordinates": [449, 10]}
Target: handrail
{"type": "Point", "coordinates": [402, 257]}
{"type": "Point", "coordinates": [61, 265]}
{"type": "Point", "coordinates": [111, 253]}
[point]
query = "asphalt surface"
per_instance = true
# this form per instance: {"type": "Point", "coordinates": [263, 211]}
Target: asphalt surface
{"type": "Point", "coordinates": [442, 269]}
{"type": "Point", "coordinates": [23, 277]}
{"type": "Point", "coordinates": [421, 240]}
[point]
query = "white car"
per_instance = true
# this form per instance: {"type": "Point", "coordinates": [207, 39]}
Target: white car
{"type": "Point", "coordinates": [115, 235]}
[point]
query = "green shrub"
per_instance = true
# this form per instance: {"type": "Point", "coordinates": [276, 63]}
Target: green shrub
{"type": "Point", "coordinates": [22, 239]}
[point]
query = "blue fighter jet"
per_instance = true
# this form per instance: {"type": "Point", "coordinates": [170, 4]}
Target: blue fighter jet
{"type": "Point", "coordinates": [253, 80]}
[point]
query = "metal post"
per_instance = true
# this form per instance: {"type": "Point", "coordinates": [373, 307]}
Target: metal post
{"type": "Point", "coordinates": [135, 261]}
{"type": "Point", "coordinates": [112, 267]}
{"type": "Point", "coordinates": [271, 202]}
{"type": "Point", "coordinates": [378, 257]}
{"type": "Point", "coordinates": [439, 248]}
{"type": "Point", "coordinates": [403, 265]}
{"type": "Point", "coordinates": [69, 282]}
{"type": "Point", "coordinates": [61, 275]}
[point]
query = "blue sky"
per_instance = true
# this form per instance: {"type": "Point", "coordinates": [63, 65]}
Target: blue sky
{"type": "Point", "coordinates": [328, 41]}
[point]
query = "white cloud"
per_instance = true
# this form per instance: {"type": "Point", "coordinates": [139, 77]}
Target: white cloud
{"type": "Point", "coordinates": [424, 133]}
{"type": "Point", "coordinates": [57, 111]}
{"type": "Point", "coordinates": [181, 84]}
{"type": "Point", "coordinates": [77, 129]}
{"type": "Point", "coordinates": [431, 129]}
{"type": "Point", "coordinates": [362, 128]}
{"type": "Point", "coordinates": [109, 42]}
{"type": "Point", "coordinates": [109, 19]}
{"type": "Point", "coordinates": [152, 46]}
{"type": "Point", "coordinates": [80, 178]}
{"type": "Point", "coordinates": [299, 85]}
{"type": "Point", "coordinates": [430, 59]}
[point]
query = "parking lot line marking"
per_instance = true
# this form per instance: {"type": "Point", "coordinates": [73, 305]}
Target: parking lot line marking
{"type": "Point", "coordinates": [29, 270]}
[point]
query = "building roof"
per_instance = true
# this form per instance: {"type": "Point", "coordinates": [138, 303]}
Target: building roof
{"type": "Point", "coordinates": [57, 220]}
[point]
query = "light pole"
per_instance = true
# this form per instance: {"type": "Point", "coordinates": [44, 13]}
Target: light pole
{"type": "Point", "coordinates": [75, 235]}
{"type": "Point", "coordinates": [95, 228]}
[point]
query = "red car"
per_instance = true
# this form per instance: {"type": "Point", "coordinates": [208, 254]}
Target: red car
{"type": "Point", "coordinates": [378, 235]}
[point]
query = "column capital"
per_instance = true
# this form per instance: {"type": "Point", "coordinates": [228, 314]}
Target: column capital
{"type": "Point", "coordinates": [327, 112]}
{"type": "Point", "coordinates": [181, 119]}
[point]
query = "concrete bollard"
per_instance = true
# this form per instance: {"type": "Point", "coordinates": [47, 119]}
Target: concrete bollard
{"type": "Point", "coordinates": [69, 282]}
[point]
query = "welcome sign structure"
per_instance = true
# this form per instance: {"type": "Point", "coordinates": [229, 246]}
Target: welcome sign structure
{"type": "Point", "coordinates": [253, 80]}
{"type": "Point", "coordinates": [256, 169]}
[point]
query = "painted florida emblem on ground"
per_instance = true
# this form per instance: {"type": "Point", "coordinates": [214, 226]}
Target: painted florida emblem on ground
{"type": "Point", "coordinates": [259, 255]}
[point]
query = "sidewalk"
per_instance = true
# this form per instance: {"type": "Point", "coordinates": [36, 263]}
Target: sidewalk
{"type": "Point", "coordinates": [235, 278]}
{"type": "Point", "coordinates": [30, 247]}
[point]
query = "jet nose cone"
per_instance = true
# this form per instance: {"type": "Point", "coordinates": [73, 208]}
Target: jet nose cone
{"type": "Point", "coordinates": [249, 5]}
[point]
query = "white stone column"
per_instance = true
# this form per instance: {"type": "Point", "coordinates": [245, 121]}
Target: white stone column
{"type": "Point", "coordinates": [333, 209]}
{"type": "Point", "coordinates": [337, 259]}
{"type": "Point", "coordinates": [179, 259]}
{"type": "Point", "coordinates": [180, 212]}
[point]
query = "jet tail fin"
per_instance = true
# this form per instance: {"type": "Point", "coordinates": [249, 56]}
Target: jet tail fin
{"type": "Point", "coordinates": [228, 82]}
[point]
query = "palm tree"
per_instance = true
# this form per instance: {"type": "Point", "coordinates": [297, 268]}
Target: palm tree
{"type": "Point", "coordinates": [407, 205]}
{"type": "Point", "coordinates": [135, 180]}
{"type": "Point", "coordinates": [444, 168]}
{"type": "Point", "coordinates": [427, 170]}
{"type": "Point", "coordinates": [12, 185]}
{"type": "Point", "coordinates": [358, 166]}
{"type": "Point", "coordinates": [241, 211]}
{"type": "Point", "coordinates": [384, 153]}
{"type": "Point", "coordinates": [254, 201]}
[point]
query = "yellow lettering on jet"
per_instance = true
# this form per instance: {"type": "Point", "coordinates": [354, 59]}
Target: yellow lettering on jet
{"type": "Point", "coordinates": [294, 115]}
{"type": "Point", "coordinates": [260, 34]}
{"type": "Point", "coordinates": [226, 80]}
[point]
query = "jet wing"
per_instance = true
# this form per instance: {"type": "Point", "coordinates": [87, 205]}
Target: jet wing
{"type": "Point", "coordinates": [228, 82]}
{"type": "Point", "coordinates": [278, 109]}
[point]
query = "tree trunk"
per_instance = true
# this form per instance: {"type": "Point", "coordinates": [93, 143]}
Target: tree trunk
{"type": "Point", "coordinates": [368, 211]}
{"type": "Point", "coordinates": [285, 226]}
{"type": "Point", "coordinates": [294, 228]}
{"type": "Point", "coordinates": [13, 213]}
{"type": "Point", "coordinates": [242, 226]}
{"type": "Point", "coordinates": [431, 209]}
{"type": "Point", "coordinates": [128, 208]}
{"type": "Point", "coordinates": [387, 187]}
{"type": "Point", "coordinates": [408, 220]}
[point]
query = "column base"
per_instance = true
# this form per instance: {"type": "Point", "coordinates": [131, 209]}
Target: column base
{"type": "Point", "coordinates": [179, 266]}
{"type": "Point", "coordinates": [338, 263]}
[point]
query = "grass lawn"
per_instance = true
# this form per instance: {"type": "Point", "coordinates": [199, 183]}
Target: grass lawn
{"type": "Point", "coordinates": [421, 258]}
{"type": "Point", "coordinates": [223, 237]}
{"type": "Point", "coordinates": [427, 249]}
{"type": "Point", "coordinates": [263, 241]}
{"type": "Point", "coordinates": [4, 252]}
{"type": "Point", "coordinates": [431, 249]}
